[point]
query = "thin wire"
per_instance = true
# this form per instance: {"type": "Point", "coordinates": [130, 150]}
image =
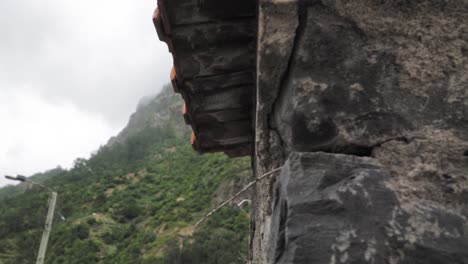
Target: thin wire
{"type": "Point", "coordinates": [236, 195]}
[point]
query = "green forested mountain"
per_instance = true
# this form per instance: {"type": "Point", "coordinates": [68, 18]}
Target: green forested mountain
{"type": "Point", "coordinates": [134, 201]}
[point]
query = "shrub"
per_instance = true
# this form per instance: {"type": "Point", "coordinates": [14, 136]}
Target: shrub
{"type": "Point", "coordinates": [81, 231]}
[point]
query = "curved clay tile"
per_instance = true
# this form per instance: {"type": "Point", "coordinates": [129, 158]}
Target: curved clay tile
{"type": "Point", "coordinates": [213, 47]}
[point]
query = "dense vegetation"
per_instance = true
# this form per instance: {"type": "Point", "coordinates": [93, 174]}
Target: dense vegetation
{"type": "Point", "coordinates": [134, 201]}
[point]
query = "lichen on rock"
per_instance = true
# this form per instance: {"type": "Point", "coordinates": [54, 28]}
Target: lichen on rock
{"type": "Point", "coordinates": [375, 93]}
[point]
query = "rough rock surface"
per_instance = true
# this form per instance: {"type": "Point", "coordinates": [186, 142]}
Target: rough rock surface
{"type": "Point", "coordinates": [275, 44]}
{"type": "Point", "coordinates": [335, 208]}
{"type": "Point", "coordinates": [363, 72]}
{"type": "Point", "coordinates": [376, 78]}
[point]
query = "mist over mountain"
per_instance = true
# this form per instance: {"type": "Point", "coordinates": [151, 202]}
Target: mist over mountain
{"type": "Point", "coordinates": [155, 111]}
{"type": "Point", "coordinates": [134, 201]}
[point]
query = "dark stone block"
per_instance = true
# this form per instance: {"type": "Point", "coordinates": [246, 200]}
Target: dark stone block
{"type": "Point", "coordinates": [334, 208]}
{"type": "Point", "coordinates": [343, 87]}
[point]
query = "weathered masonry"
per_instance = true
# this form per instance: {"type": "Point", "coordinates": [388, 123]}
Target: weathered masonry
{"type": "Point", "coordinates": [364, 106]}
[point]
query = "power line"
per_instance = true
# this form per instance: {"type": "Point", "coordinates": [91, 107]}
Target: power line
{"type": "Point", "coordinates": [236, 195]}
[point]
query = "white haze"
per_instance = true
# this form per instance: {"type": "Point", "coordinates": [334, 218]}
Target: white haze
{"type": "Point", "coordinates": [71, 73]}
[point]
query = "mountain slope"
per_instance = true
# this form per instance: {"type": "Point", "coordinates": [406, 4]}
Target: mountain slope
{"type": "Point", "coordinates": [162, 110]}
{"type": "Point", "coordinates": [134, 201]}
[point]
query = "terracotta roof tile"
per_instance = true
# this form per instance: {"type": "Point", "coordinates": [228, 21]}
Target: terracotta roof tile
{"type": "Point", "coordinates": [174, 80]}
{"type": "Point", "coordinates": [213, 46]}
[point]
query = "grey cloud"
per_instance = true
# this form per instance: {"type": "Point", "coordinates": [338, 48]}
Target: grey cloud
{"type": "Point", "coordinates": [14, 152]}
{"type": "Point", "coordinates": [102, 56]}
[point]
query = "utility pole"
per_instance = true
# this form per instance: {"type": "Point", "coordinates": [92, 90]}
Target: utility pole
{"type": "Point", "coordinates": [47, 228]}
{"type": "Point", "coordinates": [49, 218]}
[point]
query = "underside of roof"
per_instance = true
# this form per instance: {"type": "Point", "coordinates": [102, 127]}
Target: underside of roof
{"type": "Point", "coordinates": [213, 43]}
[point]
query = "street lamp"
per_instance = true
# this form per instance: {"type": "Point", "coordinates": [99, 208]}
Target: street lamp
{"type": "Point", "coordinates": [49, 219]}
{"type": "Point", "coordinates": [17, 178]}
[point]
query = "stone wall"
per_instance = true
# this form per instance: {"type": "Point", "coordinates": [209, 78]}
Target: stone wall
{"type": "Point", "coordinates": [374, 95]}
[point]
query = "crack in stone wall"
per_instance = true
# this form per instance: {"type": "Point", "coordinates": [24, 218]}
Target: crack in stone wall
{"type": "Point", "coordinates": [274, 44]}
{"type": "Point", "coordinates": [381, 79]}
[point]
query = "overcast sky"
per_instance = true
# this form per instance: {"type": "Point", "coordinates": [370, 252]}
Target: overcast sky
{"type": "Point", "coordinates": [71, 73]}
